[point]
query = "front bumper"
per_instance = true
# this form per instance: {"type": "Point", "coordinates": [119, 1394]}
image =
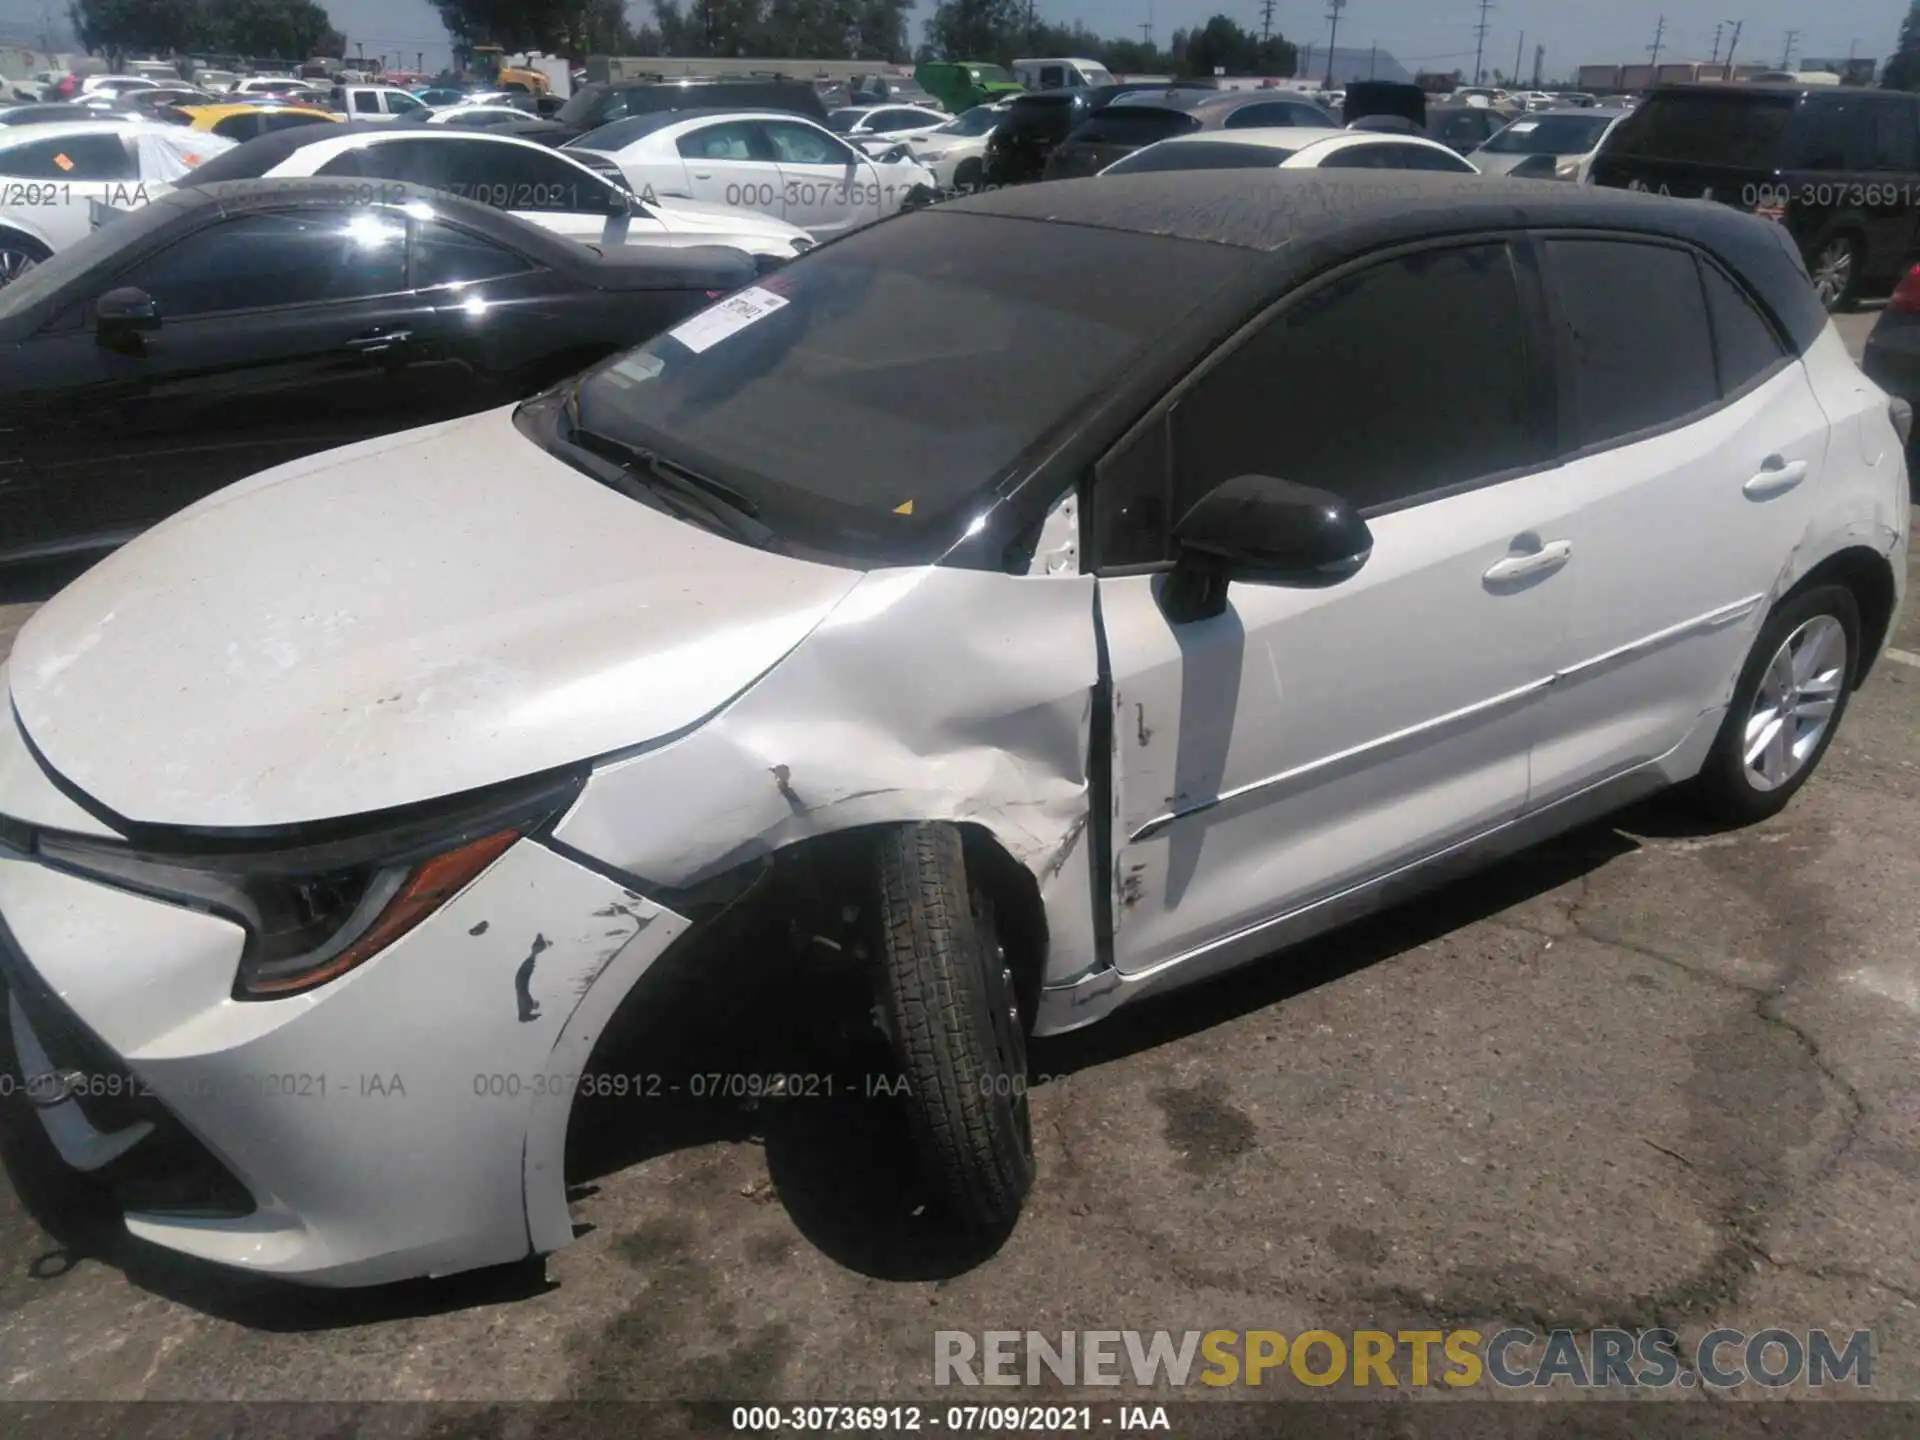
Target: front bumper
{"type": "Point", "coordinates": [407, 1119]}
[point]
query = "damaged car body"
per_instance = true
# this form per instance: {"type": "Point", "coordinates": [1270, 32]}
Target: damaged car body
{"type": "Point", "coordinates": [1062, 594]}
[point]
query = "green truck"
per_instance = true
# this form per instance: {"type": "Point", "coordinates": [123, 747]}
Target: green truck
{"type": "Point", "coordinates": [962, 84]}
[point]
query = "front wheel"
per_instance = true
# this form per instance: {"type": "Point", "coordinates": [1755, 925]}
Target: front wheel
{"type": "Point", "coordinates": [951, 1009]}
{"type": "Point", "coordinates": [18, 255]}
{"type": "Point", "coordinates": [1786, 706]}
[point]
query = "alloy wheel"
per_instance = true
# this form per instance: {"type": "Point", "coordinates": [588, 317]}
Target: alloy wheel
{"type": "Point", "coordinates": [1003, 1000]}
{"type": "Point", "coordinates": [14, 263]}
{"type": "Point", "coordinates": [1798, 694]}
{"type": "Point", "coordinates": [1833, 271]}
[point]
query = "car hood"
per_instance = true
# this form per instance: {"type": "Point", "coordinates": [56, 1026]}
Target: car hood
{"type": "Point", "coordinates": [403, 619]}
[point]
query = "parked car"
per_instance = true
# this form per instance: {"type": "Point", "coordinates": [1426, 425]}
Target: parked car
{"type": "Point", "coordinates": [1838, 167]}
{"type": "Point", "coordinates": [1550, 145]}
{"type": "Point", "coordinates": [437, 96]}
{"type": "Point", "coordinates": [1126, 647]}
{"type": "Point", "coordinates": [876, 128]}
{"type": "Point", "coordinates": [373, 102]}
{"type": "Point", "coordinates": [953, 154]}
{"type": "Point", "coordinates": [962, 84]}
{"type": "Point", "coordinates": [475, 116]}
{"type": "Point", "coordinates": [114, 86]}
{"type": "Point", "coordinates": [61, 112]}
{"type": "Point", "coordinates": [226, 328]}
{"type": "Point", "coordinates": [1035, 125]}
{"type": "Point", "coordinates": [1120, 129]}
{"type": "Point", "coordinates": [52, 175]}
{"type": "Point", "coordinates": [1061, 74]}
{"type": "Point", "coordinates": [279, 85]}
{"type": "Point", "coordinates": [1290, 149]}
{"type": "Point", "coordinates": [1259, 110]}
{"type": "Point", "coordinates": [550, 188]}
{"type": "Point", "coordinates": [1892, 356]}
{"type": "Point", "coordinates": [1464, 128]}
{"type": "Point", "coordinates": [600, 104]}
{"type": "Point", "coordinates": [775, 163]}
{"type": "Point", "coordinates": [240, 123]}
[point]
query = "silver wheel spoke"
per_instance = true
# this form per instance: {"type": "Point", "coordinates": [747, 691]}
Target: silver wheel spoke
{"type": "Point", "coordinates": [1797, 697]}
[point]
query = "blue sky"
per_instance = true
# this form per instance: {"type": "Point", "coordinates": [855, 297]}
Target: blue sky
{"type": "Point", "coordinates": [1435, 34]}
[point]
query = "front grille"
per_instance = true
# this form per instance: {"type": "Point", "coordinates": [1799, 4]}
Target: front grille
{"type": "Point", "coordinates": [169, 1170]}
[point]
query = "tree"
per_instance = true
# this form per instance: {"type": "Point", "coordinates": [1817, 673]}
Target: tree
{"type": "Point", "coordinates": [1902, 71]}
{"type": "Point", "coordinates": [279, 29]}
{"type": "Point", "coordinates": [115, 28]}
{"type": "Point", "coordinates": [977, 30]}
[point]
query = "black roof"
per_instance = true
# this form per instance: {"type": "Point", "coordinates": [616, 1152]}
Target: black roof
{"type": "Point", "coordinates": [1308, 221]}
{"type": "Point", "coordinates": [251, 159]}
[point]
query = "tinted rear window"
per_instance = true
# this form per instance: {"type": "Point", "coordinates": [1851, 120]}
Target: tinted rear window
{"type": "Point", "coordinates": [1199, 157]}
{"type": "Point", "coordinates": [1739, 131]}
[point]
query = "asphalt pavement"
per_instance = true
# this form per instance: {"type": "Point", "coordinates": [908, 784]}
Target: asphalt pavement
{"type": "Point", "coordinates": [1649, 1074]}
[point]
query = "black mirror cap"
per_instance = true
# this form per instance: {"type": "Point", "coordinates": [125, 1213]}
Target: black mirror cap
{"type": "Point", "coordinates": [126, 310]}
{"type": "Point", "coordinates": [1257, 524]}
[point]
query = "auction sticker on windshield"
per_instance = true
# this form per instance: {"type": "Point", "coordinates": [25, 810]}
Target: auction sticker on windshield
{"type": "Point", "coordinates": [729, 317]}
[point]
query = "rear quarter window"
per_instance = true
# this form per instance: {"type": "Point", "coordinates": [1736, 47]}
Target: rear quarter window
{"type": "Point", "coordinates": [1734, 130]}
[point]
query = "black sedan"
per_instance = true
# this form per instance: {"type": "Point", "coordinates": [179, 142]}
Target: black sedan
{"type": "Point", "coordinates": [227, 328]}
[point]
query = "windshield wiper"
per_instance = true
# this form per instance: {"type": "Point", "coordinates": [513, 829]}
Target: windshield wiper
{"type": "Point", "coordinates": [688, 493]}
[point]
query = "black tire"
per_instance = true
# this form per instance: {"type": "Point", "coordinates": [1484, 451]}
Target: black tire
{"type": "Point", "coordinates": [967, 177]}
{"type": "Point", "coordinates": [948, 998]}
{"type": "Point", "coordinates": [1844, 299]}
{"type": "Point", "coordinates": [1724, 788]}
{"type": "Point", "coordinates": [19, 253]}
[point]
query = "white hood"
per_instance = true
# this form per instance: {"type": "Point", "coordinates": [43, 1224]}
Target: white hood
{"type": "Point", "coordinates": [697, 216]}
{"type": "Point", "coordinates": [399, 620]}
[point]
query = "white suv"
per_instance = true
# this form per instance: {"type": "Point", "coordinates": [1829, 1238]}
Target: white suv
{"type": "Point", "coordinates": [1025, 606]}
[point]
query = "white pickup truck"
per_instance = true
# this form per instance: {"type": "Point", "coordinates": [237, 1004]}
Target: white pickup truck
{"type": "Point", "coordinates": [373, 102]}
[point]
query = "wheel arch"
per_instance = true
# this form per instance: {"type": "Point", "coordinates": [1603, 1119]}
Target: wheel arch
{"type": "Point", "coordinates": [13, 229]}
{"type": "Point", "coordinates": [1868, 575]}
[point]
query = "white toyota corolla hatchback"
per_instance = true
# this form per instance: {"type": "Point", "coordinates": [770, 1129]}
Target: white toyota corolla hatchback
{"type": "Point", "coordinates": [1046, 600]}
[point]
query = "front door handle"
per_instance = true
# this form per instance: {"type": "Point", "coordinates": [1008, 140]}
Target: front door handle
{"type": "Point", "coordinates": [1545, 560]}
{"type": "Point", "coordinates": [703, 174]}
{"type": "Point", "coordinates": [378, 342]}
{"type": "Point", "coordinates": [1776, 477]}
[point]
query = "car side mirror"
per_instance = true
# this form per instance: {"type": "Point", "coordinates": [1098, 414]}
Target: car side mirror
{"type": "Point", "coordinates": [121, 315]}
{"type": "Point", "coordinates": [1265, 530]}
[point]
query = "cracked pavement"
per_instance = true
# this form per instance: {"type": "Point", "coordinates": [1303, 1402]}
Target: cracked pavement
{"type": "Point", "coordinates": [1645, 1075]}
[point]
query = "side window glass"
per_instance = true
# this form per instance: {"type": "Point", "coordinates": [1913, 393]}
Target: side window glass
{"type": "Point", "coordinates": [423, 162]}
{"type": "Point", "coordinates": [443, 255]}
{"type": "Point", "coordinates": [797, 145]}
{"type": "Point", "coordinates": [1894, 140]}
{"type": "Point", "coordinates": [288, 258]}
{"type": "Point", "coordinates": [366, 102]}
{"type": "Point", "coordinates": [1249, 117]}
{"type": "Point", "coordinates": [238, 127]}
{"type": "Point", "coordinates": [1744, 342]}
{"type": "Point", "coordinates": [1132, 500]}
{"type": "Point", "coordinates": [1330, 394]}
{"type": "Point", "coordinates": [1418, 157]}
{"type": "Point", "coordinates": [1052, 77]}
{"type": "Point", "coordinates": [1635, 366]}
{"type": "Point", "coordinates": [732, 141]}
{"type": "Point", "coordinates": [1354, 157]}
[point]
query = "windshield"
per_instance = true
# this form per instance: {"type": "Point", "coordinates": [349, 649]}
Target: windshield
{"type": "Point", "coordinates": [868, 398]}
{"type": "Point", "coordinates": [975, 122]}
{"type": "Point", "coordinates": [1741, 130]}
{"type": "Point", "coordinates": [992, 75]}
{"type": "Point", "coordinates": [1550, 135]}
{"type": "Point", "coordinates": [1198, 155]}
{"type": "Point", "coordinates": [583, 108]}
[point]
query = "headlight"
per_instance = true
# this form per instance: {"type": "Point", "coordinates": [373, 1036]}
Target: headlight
{"type": "Point", "coordinates": [314, 911]}
{"type": "Point", "coordinates": [1567, 170]}
{"type": "Point", "coordinates": [933, 154]}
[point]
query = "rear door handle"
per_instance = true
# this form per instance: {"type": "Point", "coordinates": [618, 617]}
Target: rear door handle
{"type": "Point", "coordinates": [1776, 476]}
{"type": "Point", "coordinates": [375, 342]}
{"type": "Point", "coordinates": [1546, 559]}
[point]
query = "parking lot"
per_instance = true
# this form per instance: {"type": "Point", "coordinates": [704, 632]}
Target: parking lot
{"type": "Point", "coordinates": [1647, 1075]}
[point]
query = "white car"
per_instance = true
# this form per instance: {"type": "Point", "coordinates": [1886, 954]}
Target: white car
{"type": "Point", "coordinates": [876, 128]}
{"type": "Point", "coordinates": [1550, 145]}
{"type": "Point", "coordinates": [279, 85]}
{"type": "Point", "coordinates": [52, 175]}
{"type": "Point", "coordinates": [954, 152]}
{"type": "Point", "coordinates": [926, 622]}
{"type": "Point", "coordinates": [115, 85]}
{"type": "Point", "coordinates": [770, 161]}
{"type": "Point", "coordinates": [547, 187]}
{"type": "Point", "coordinates": [1291, 148]}
{"type": "Point", "coordinates": [375, 102]}
{"type": "Point", "coordinates": [479, 116]}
